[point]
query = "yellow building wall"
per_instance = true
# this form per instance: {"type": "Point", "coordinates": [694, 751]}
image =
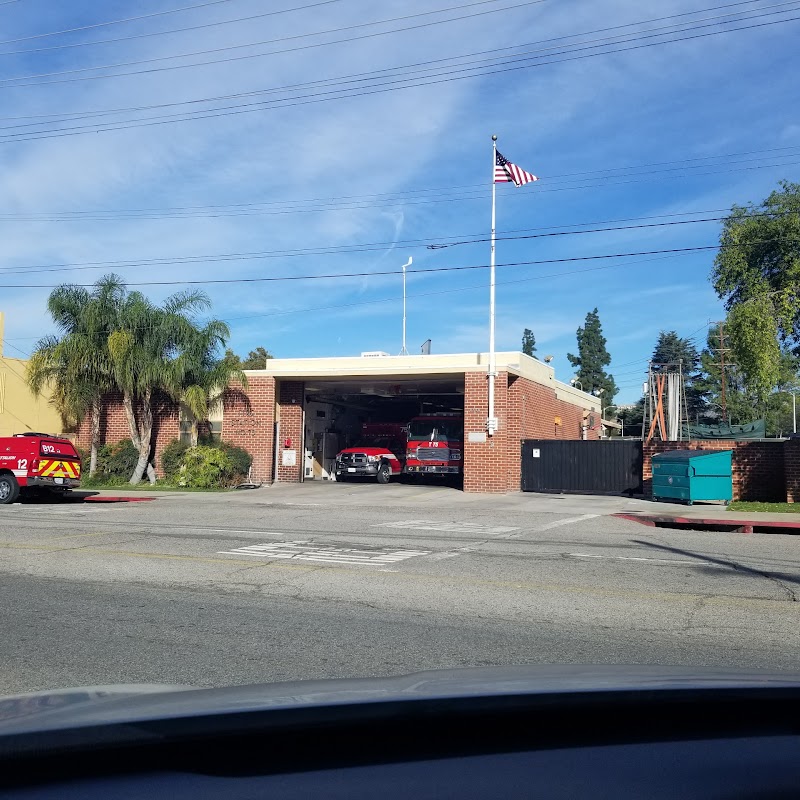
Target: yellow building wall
{"type": "Point", "coordinates": [20, 411]}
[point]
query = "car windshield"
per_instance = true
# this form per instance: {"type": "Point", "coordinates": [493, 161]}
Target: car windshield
{"type": "Point", "coordinates": [293, 385]}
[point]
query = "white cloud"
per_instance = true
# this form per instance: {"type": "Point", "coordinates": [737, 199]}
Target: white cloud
{"type": "Point", "coordinates": [643, 106]}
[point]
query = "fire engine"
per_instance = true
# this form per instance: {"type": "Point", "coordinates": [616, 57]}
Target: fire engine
{"type": "Point", "coordinates": [37, 460]}
{"type": "Point", "coordinates": [435, 444]}
{"type": "Point", "coordinates": [378, 455]}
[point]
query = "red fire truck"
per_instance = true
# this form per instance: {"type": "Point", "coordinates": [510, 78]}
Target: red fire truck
{"type": "Point", "coordinates": [379, 453]}
{"type": "Point", "coordinates": [435, 444]}
{"type": "Point", "coordinates": [37, 461]}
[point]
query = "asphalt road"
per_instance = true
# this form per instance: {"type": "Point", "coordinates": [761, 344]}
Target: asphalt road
{"type": "Point", "coordinates": [339, 580]}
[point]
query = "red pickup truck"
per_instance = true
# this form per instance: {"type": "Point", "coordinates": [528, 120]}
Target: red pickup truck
{"type": "Point", "coordinates": [37, 460]}
{"type": "Point", "coordinates": [380, 453]}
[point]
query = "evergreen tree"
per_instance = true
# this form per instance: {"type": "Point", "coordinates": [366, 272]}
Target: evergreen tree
{"type": "Point", "coordinates": [256, 359]}
{"type": "Point", "coordinates": [592, 359]}
{"type": "Point", "coordinates": [670, 352]}
{"type": "Point", "coordinates": [528, 342]}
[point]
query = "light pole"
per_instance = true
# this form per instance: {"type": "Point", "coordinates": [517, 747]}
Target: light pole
{"type": "Point", "coordinates": [598, 393]}
{"type": "Point", "coordinates": [621, 418]}
{"type": "Point", "coordinates": [574, 381]}
{"type": "Point", "coordinates": [404, 352]}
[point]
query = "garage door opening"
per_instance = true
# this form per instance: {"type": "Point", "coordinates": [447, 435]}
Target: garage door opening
{"type": "Point", "coordinates": [342, 414]}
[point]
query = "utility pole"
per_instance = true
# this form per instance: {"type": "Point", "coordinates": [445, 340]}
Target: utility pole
{"type": "Point", "coordinates": [722, 350]}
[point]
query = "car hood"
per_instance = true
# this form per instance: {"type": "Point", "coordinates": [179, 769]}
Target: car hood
{"type": "Point", "coordinates": [121, 704]}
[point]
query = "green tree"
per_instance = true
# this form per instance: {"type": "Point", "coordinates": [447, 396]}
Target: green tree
{"type": "Point", "coordinates": [528, 342]}
{"type": "Point", "coordinates": [741, 404]}
{"type": "Point", "coordinates": [156, 354]}
{"type": "Point", "coordinates": [756, 273]}
{"type": "Point", "coordinates": [670, 353]}
{"type": "Point", "coordinates": [592, 359]}
{"type": "Point", "coordinates": [206, 377]}
{"type": "Point", "coordinates": [232, 358]}
{"type": "Point", "coordinates": [257, 359]}
{"type": "Point", "coordinates": [76, 364]}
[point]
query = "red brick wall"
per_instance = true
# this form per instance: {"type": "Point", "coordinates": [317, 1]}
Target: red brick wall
{"type": "Point", "coordinates": [757, 467]}
{"type": "Point", "coordinates": [486, 464]}
{"type": "Point", "coordinates": [114, 425]}
{"type": "Point", "coordinates": [248, 421]}
{"type": "Point", "coordinates": [791, 468]}
{"type": "Point", "coordinates": [290, 416]}
{"type": "Point", "coordinates": [525, 410]}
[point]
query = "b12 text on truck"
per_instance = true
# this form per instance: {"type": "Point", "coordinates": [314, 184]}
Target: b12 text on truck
{"type": "Point", "coordinates": [37, 461]}
{"type": "Point", "coordinates": [435, 444]}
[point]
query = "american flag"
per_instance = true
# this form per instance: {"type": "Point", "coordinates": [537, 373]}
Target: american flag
{"type": "Point", "coordinates": [506, 172]}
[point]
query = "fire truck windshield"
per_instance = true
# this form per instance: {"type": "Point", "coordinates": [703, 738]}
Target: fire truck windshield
{"type": "Point", "coordinates": [386, 442]}
{"type": "Point", "coordinates": [435, 430]}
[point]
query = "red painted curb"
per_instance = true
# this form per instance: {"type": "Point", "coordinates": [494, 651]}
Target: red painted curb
{"type": "Point", "coordinates": [742, 525]}
{"type": "Point", "coordinates": [99, 499]}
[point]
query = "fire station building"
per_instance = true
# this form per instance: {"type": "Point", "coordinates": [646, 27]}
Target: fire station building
{"type": "Point", "coordinates": [297, 414]}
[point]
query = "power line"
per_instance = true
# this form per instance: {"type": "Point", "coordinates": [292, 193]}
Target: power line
{"type": "Point", "coordinates": [150, 34]}
{"type": "Point", "coordinates": [372, 72]}
{"type": "Point", "coordinates": [293, 37]}
{"type": "Point", "coordinates": [287, 207]}
{"type": "Point", "coordinates": [438, 292]}
{"type": "Point", "coordinates": [399, 195]}
{"type": "Point", "coordinates": [377, 89]}
{"type": "Point", "coordinates": [10, 81]}
{"type": "Point", "coordinates": [113, 22]}
{"type": "Point", "coordinates": [282, 278]}
{"type": "Point", "coordinates": [340, 250]}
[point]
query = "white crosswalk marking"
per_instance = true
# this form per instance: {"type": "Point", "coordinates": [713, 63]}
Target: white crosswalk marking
{"type": "Point", "coordinates": [303, 551]}
{"type": "Point", "coordinates": [447, 527]}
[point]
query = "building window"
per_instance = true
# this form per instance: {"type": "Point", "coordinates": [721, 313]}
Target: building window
{"type": "Point", "coordinates": [210, 430]}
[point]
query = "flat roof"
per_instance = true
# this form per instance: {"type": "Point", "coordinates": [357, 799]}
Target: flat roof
{"type": "Point", "coordinates": [380, 366]}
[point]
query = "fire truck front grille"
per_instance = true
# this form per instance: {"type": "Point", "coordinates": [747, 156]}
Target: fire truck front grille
{"type": "Point", "coordinates": [433, 453]}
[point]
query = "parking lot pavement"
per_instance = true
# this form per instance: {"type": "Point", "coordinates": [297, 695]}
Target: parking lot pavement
{"type": "Point", "coordinates": [557, 570]}
{"type": "Point", "coordinates": [431, 494]}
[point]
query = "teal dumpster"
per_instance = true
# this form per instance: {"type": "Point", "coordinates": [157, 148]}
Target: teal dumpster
{"type": "Point", "coordinates": [691, 475]}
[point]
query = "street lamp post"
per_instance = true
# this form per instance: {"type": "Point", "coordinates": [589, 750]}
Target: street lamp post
{"type": "Point", "coordinates": [598, 393]}
{"type": "Point", "coordinates": [621, 418]}
{"type": "Point", "coordinates": [574, 381]}
{"type": "Point", "coordinates": [403, 351]}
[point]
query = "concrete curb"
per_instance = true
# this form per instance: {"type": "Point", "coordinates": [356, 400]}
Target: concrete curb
{"type": "Point", "coordinates": [713, 523]}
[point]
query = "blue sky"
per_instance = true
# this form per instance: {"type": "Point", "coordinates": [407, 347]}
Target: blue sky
{"type": "Point", "coordinates": [691, 126]}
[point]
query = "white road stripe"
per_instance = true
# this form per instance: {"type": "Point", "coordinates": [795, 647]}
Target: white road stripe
{"type": "Point", "coordinates": [568, 521]}
{"type": "Point", "coordinates": [228, 530]}
{"type": "Point", "coordinates": [640, 558]}
{"type": "Point", "coordinates": [303, 551]}
{"type": "Point", "coordinates": [447, 527]}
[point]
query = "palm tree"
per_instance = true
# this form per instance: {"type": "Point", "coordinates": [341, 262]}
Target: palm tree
{"type": "Point", "coordinates": [155, 351]}
{"type": "Point", "coordinates": [76, 365]}
{"type": "Point", "coordinates": [206, 376]}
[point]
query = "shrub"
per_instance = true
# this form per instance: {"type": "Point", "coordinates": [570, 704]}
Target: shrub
{"type": "Point", "coordinates": [205, 468]}
{"type": "Point", "coordinates": [172, 458]}
{"type": "Point", "coordinates": [117, 460]}
{"type": "Point", "coordinates": [240, 458]}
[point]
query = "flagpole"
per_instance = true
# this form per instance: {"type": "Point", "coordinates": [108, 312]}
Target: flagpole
{"type": "Point", "coordinates": [491, 422]}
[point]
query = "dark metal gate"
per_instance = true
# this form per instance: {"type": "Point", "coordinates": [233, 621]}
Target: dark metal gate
{"type": "Point", "coordinates": [597, 467]}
